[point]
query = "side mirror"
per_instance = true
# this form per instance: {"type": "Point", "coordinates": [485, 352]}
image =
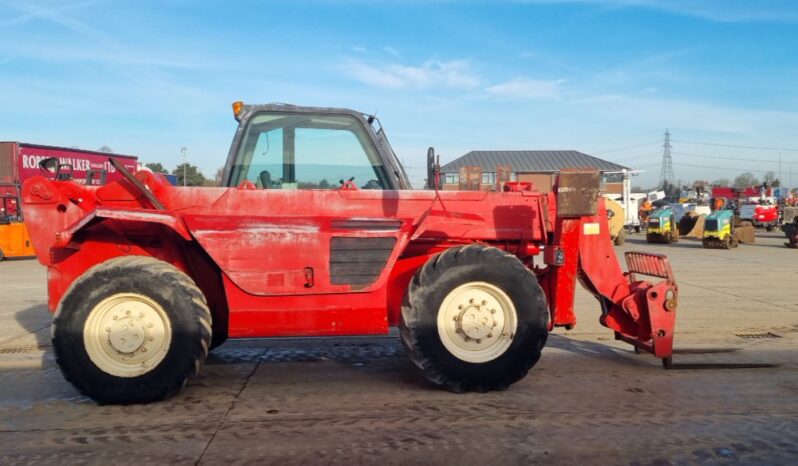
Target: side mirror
{"type": "Point", "coordinates": [49, 166]}
{"type": "Point", "coordinates": [431, 168]}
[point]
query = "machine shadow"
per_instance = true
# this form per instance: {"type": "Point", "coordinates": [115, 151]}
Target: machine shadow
{"type": "Point", "coordinates": [594, 350]}
{"type": "Point", "coordinates": [34, 320]}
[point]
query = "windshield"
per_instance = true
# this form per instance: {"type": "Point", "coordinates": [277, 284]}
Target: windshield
{"type": "Point", "coordinates": [307, 151]}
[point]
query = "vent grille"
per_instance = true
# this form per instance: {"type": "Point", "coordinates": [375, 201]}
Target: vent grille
{"type": "Point", "coordinates": [358, 261]}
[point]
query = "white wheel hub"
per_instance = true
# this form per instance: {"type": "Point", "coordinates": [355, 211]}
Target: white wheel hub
{"type": "Point", "coordinates": [477, 322]}
{"type": "Point", "coordinates": [127, 334]}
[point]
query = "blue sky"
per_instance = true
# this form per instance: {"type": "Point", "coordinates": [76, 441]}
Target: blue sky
{"type": "Point", "coordinates": [605, 77]}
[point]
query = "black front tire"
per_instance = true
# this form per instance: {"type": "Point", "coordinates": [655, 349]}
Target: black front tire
{"type": "Point", "coordinates": [177, 295]}
{"type": "Point", "coordinates": [431, 285]}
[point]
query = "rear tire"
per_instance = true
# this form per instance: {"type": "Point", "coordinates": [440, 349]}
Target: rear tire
{"type": "Point", "coordinates": [474, 319]}
{"type": "Point", "coordinates": [2, 255]}
{"type": "Point", "coordinates": [131, 330]}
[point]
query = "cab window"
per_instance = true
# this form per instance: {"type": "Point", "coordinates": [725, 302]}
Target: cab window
{"type": "Point", "coordinates": [306, 151]}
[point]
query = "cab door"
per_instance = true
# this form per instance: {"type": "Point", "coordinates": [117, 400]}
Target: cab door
{"type": "Point", "coordinates": [292, 232]}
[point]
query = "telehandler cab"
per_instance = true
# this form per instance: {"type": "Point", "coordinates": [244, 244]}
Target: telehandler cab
{"type": "Point", "coordinates": [316, 232]}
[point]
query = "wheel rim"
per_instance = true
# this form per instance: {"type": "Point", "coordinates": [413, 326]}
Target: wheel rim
{"type": "Point", "coordinates": [127, 334]}
{"type": "Point", "coordinates": [477, 322]}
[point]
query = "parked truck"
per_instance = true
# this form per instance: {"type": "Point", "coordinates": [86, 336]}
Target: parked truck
{"type": "Point", "coordinates": [20, 161]}
{"type": "Point", "coordinates": [316, 232]}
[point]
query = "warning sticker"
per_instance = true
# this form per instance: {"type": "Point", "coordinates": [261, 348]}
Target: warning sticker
{"type": "Point", "coordinates": [590, 229]}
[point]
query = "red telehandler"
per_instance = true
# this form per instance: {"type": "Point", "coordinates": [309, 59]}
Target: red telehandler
{"type": "Point", "coordinates": [145, 278]}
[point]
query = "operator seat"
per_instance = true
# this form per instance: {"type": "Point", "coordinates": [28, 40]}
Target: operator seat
{"type": "Point", "coordinates": [266, 179]}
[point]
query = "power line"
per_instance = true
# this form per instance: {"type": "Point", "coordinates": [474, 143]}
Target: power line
{"type": "Point", "coordinates": [640, 157]}
{"type": "Point", "coordinates": [623, 148]}
{"type": "Point", "coordinates": [727, 158]}
{"type": "Point", "coordinates": [739, 170]}
{"type": "Point", "coordinates": [738, 146]}
{"type": "Point", "coordinates": [650, 165]}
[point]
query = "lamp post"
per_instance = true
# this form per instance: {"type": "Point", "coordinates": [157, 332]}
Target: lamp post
{"type": "Point", "coordinates": [183, 151]}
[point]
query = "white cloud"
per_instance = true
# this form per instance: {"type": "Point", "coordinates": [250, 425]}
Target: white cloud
{"type": "Point", "coordinates": [454, 74]}
{"type": "Point", "coordinates": [359, 49]}
{"type": "Point", "coordinates": [392, 51]}
{"type": "Point", "coordinates": [525, 88]}
{"type": "Point", "coordinates": [57, 16]}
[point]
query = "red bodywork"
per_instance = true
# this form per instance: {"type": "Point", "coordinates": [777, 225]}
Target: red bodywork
{"type": "Point", "coordinates": [263, 257]}
{"type": "Point", "coordinates": [766, 214]}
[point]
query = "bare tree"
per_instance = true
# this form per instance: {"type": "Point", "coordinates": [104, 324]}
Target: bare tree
{"type": "Point", "coordinates": [771, 180]}
{"type": "Point", "coordinates": [745, 180]}
{"type": "Point", "coordinates": [721, 182]}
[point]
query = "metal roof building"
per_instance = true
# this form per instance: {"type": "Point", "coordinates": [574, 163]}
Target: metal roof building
{"type": "Point", "coordinates": [530, 161]}
{"type": "Point", "coordinates": [539, 167]}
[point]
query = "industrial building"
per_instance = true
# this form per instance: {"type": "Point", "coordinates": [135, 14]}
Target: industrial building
{"type": "Point", "coordinates": [487, 169]}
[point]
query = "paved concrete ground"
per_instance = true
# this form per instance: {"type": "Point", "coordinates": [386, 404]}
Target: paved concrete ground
{"type": "Point", "coordinates": [733, 396]}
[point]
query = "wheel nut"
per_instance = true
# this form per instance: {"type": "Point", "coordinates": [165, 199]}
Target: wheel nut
{"type": "Point", "coordinates": [143, 350]}
{"type": "Point", "coordinates": [455, 318]}
{"type": "Point", "coordinates": [479, 341]}
{"type": "Point", "coordinates": [493, 311]}
{"type": "Point", "coordinates": [127, 313]}
{"type": "Point", "coordinates": [471, 301]}
{"type": "Point", "coordinates": [490, 335]}
{"type": "Point", "coordinates": [484, 302]}
{"type": "Point", "coordinates": [141, 315]}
